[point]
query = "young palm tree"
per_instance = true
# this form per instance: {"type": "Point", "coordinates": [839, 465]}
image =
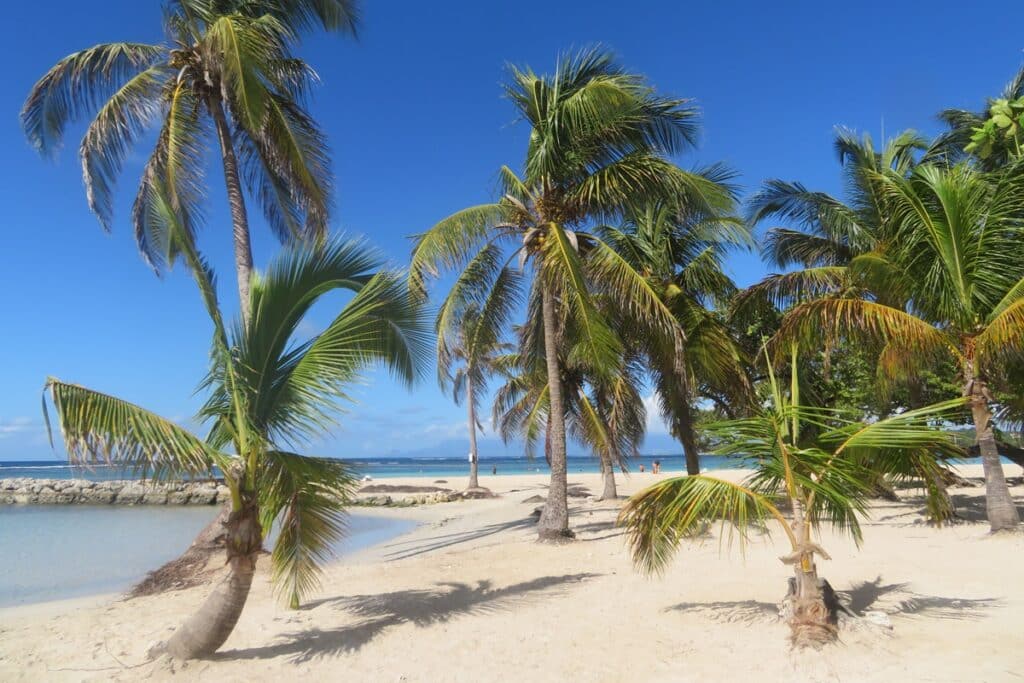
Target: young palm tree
{"type": "Point", "coordinates": [958, 264]}
{"type": "Point", "coordinates": [812, 468]}
{"type": "Point", "coordinates": [599, 139]}
{"type": "Point", "coordinates": [680, 250]}
{"type": "Point", "coordinates": [471, 344]}
{"type": "Point", "coordinates": [226, 73]}
{"type": "Point", "coordinates": [268, 392]}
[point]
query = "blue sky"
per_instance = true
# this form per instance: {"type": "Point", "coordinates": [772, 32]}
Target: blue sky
{"type": "Point", "coordinates": [414, 113]}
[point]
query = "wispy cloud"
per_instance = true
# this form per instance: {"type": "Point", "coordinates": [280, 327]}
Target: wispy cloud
{"type": "Point", "coordinates": [16, 425]}
{"type": "Point", "coordinates": [655, 424]}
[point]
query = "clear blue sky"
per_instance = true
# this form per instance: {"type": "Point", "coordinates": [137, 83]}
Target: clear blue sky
{"type": "Point", "coordinates": [418, 128]}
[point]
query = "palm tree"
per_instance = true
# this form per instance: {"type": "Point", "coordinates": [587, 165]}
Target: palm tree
{"type": "Point", "coordinates": [605, 414]}
{"type": "Point", "coordinates": [227, 72]}
{"type": "Point", "coordinates": [471, 344]}
{"type": "Point", "coordinates": [958, 265]}
{"type": "Point", "coordinates": [599, 139]}
{"type": "Point", "coordinates": [680, 249]}
{"type": "Point", "coordinates": [268, 391]}
{"type": "Point", "coordinates": [825, 235]}
{"type": "Point", "coordinates": [811, 468]}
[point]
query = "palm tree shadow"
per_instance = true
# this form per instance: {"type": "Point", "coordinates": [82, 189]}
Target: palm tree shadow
{"type": "Point", "coordinates": [411, 548]}
{"type": "Point", "coordinates": [418, 607]}
{"type": "Point", "coordinates": [893, 598]}
{"type": "Point", "coordinates": [896, 598]}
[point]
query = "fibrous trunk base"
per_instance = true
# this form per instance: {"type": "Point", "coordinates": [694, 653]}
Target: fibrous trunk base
{"type": "Point", "coordinates": [813, 617]}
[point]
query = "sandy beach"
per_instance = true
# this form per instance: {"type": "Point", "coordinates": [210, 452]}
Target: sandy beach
{"type": "Point", "coordinates": [469, 596]}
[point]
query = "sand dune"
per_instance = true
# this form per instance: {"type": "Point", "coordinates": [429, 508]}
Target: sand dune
{"type": "Point", "coordinates": [469, 596]}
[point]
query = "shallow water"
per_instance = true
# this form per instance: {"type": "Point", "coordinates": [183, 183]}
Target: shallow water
{"type": "Point", "coordinates": [55, 552]}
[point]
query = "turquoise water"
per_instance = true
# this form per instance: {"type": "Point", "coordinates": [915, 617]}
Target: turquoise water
{"type": "Point", "coordinates": [55, 552]}
{"type": "Point", "coordinates": [378, 468]}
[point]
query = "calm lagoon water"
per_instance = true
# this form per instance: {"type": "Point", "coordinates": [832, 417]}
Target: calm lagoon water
{"type": "Point", "coordinates": [55, 552]}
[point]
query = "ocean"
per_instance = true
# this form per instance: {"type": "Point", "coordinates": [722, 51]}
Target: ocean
{"type": "Point", "coordinates": [378, 468]}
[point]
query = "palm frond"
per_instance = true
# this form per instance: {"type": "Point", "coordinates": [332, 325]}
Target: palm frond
{"type": "Point", "coordinates": [660, 517]}
{"type": "Point", "coordinates": [97, 427]}
{"type": "Point", "coordinates": [306, 498]}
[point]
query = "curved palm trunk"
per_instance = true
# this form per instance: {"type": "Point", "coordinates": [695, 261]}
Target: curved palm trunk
{"type": "Point", "coordinates": [554, 521]}
{"type": "Point", "coordinates": [210, 627]}
{"type": "Point", "coordinates": [208, 537]}
{"type": "Point", "coordinates": [688, 437]}
{"type": "Point", "coordinates": [999, 507]}
{"type": "Point", "coordinates": [473, 455]}
{"type": "Point", "coordinates": [239, 218]}
{"type": "Point", "coordinates": [610, 491]}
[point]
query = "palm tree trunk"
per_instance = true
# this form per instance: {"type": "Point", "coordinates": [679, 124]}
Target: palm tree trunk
{"type": "Point", "coordinates": [999, 507]}
{"type": "Point", "coordinates": [811, 622]}
{"type": "Point", "coordinates": [554, 521]}
{"type": "Point", "coordinates": [610, 491]}
{"type": "Point", "coordinates": [474, 457]}
{"type": "Point", "coordinates": [688, 437]}
{"type": "Point", "coordinates": [236, 200]}
{"type": "Point", "coordinates": [210, 627]}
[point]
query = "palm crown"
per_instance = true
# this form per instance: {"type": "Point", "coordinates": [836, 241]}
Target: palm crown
{"type": "Point", "coordinates": [227, 72]}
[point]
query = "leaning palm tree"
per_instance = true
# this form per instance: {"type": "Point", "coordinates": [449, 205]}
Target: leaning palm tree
{"type": "Point", "coordinates": [811, 468]}
{"type": "Point", "coordinates": [599, 139]}
{"type": "Point", "coordinates": [468, 352]}
{"type": "Point", "coordinates": [958, 265]}
{"type": "Point", "coordinates": [680, 251]}
{"type": "Point", "coordinates": [268, 392]}
{"type": "Point", "coordinates": [226, 74]}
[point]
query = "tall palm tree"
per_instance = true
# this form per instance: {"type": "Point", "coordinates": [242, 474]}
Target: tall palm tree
{"type": "Point", "coordinates": [958, 266]}
{"type": "Point", "coordinates": [468, 352]}
{"type": "Point", "coordinates": [599, 139]}
{"type": "Point", "coordinates": [803, 479]}
{"type": "Point", "coordinates": [268, 392]}
{"type": "Point", "coordinates": [226, 73]}
{"type": "Point", "coordinates": [680, 249]}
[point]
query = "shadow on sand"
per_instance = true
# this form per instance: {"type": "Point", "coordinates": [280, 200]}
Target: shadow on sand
{"type": "Point", "coordinates": [419, 607]}
{"type": "Point", "coordinates": [894, 598]}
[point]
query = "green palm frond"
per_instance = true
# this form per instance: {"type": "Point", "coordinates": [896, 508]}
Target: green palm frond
{"type": "Point", "coordinates": [305, 497]}
{"type": "Point", "coordinates": [660, 517]}
{"type": "Point", "coordinates": [287, 167]}
{"type": "Point", "coordinates": [453, 242]}
{"type": "Point", "coordinates": [563, 270]}
{"type": "Point", "coordinates": [97, 427]}
{"type": "Point", "coordinates": [837, 318]}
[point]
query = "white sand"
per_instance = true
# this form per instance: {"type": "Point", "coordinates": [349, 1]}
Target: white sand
{"type": "Point", "coordinates": [469, 596]}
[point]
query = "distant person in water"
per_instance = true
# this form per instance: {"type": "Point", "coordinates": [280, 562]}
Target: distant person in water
{"type": "Point", "coordinates": [656, 468]}
{"type": "Point", "coordinates": [494, 469]}
{"type": "Point", "coordinates": [641, 467]}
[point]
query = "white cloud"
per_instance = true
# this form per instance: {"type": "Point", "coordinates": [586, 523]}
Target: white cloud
{"type": "Point", "coordinates": [655, 424]}
{"type": "Point", "coordinates": [16, 425]}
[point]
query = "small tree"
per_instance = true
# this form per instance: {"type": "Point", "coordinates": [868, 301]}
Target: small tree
{"type": "Point", "coordinates": [267, 392]}
{"type": "Point", "coordinates": [812, 467]}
